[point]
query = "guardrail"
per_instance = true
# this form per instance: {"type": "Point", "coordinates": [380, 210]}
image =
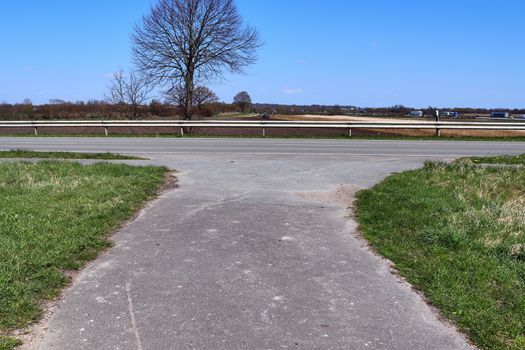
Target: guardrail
{"type": "Point", "coordinates": [263, 125]}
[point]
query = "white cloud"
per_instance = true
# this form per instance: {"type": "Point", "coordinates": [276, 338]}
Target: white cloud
{"type": "Point", "coordinates": [293, 91]}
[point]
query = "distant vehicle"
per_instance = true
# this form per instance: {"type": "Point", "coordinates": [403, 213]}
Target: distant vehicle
{"type": "Point", "coordinates": [451, 114]}
{"type": "Point", "coordinates": [416, 114]}
{"type": "Point", "coordinates": [500, 115]}
{"type": "Point", "coordinates": [520, 116]}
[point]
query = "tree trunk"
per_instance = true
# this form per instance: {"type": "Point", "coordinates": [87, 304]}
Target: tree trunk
{"type": "Point", "coordinates": [188, 103]}
{"type": "Point", "coordinates": [134, 111]}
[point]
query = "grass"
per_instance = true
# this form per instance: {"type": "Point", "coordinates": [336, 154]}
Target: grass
{"type": "Point", "coordinates": [510, 160]}
{"type": "Point", "coordinates": [9, 343]}
{"type": "Point", "coordinates": [63, 155]}
{"type": "Point", "coordinates": [54, 217]}
{"type": "Point", "coordinates": [457, 233]}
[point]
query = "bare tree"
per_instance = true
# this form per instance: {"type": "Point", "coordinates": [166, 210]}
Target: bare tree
{"type": "Point", "coordinates": [201, 96]}
{"type": "Point", "coordinates": [243, 100]}
{"type": "Point", "coordinates": [57, 101]}
{"type": "Point", "coordinates": [27, 107]}
{"type": "Point", "coordinates": [176, 95]}
{"type": "Point", "coordinates": [204, 96]}
{"type": "Point", "coordinates": [131, 91]}
{"type": "Point", "coordinates": [117, 89]}
{"type": "Point", "coordinates": [188, 42]}
{"type": "Point", "coordinates": [137, 92]}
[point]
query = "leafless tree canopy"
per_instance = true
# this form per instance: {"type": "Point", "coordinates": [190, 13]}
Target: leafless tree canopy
{"type": "Point", "coordinates": [204, 96]}
{"type": "Point", "coordinates": [176, 95]}
{"type": "Point", "coordinates": [132, 91]}
{"type": "Point", "coordinates": [243, 100]}
{"type": "Point", "coordinates": [188, 42]}
{"type": "Point", "coordinates": [201, 96]}
{"type": "Point", "coordinates": [117, 89]}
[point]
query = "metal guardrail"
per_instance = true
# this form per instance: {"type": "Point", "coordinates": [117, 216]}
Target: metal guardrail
{"type": "Point", "coordinates": [263, 125]}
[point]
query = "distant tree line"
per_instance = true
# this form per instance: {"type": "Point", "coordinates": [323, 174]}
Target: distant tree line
{"type": "Point", "coordinates": [206, 105]}
{"type": "Point", "coordinates": [102, 109]}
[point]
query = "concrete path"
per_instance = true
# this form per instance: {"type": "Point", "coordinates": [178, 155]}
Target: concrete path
{"type": "Point", "coordinates": [253, 251]}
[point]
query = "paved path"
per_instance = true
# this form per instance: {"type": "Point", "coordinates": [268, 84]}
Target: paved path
{"type": "Point", "coordinates": [255, 250]}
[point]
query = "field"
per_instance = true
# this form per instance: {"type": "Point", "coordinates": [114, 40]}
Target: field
{"type": "Point", "coordinates": [457, 233]}
{"type": "Point", "coordinates": [54, 217]}
{"type": "Point", "coordinates": [408, 132]}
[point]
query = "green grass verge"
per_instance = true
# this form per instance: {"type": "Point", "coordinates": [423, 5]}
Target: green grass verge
{"type": "Point", "coordinates": [511, 160]}
{"type": "Point", "coordinates": [9, 343]}
{"type": "Point", "coordinates": [457, 233]}
{"type": "Point", "coordinates": [63, 155]}
{"type": "Point", "coordinates": [54, 217]}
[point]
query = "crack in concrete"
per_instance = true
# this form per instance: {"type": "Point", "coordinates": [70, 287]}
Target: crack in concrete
{"type": "Point", "coordinates": [133, 318]}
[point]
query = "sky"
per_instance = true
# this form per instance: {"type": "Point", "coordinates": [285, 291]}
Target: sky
{"type": "Point", "coordinates": [446, 53]}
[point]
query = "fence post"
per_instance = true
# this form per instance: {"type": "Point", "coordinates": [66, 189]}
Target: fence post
{"type": "Point", "coordinates": [36, 131]}
{"type": "Point", "coordinates": [349, 132]}
{"type": "Point", "coordinates": [106, 132]}
{"type": "Point", "coordinates": [438, 130]}
{"type": "Point", "coordinates": [181, 131]}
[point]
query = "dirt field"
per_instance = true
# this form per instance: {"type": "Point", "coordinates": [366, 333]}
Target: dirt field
{"type": "Point", "coordinates": [342, 118]}
{"type": "Point", "coordinates": [402, 132]}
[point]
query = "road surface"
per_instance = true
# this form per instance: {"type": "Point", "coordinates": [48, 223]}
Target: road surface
{"type": "Point", "coordinates": [255, 250]}
{"type": "Point", "coordinates": [266, 146]}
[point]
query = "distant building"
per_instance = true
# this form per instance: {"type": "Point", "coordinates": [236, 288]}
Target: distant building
{"type": "Point", "coordinates": [450, 114]}
{"type": "Point", "coordinates": [417, 114]}
{"type": "Point", "coordinates": [501, 115]}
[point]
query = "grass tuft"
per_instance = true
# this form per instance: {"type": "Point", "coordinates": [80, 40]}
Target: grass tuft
{"type": "Point", "coordinates": [9, 343]}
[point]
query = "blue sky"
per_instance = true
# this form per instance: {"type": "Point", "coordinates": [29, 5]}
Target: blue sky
{"type": "Point", "coordinates": [348, 52]}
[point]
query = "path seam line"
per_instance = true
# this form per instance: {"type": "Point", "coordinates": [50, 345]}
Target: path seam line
{"type": "Point", "coordinates": [133, 318]}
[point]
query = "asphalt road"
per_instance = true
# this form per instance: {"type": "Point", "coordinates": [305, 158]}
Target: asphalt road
{"type": "Point", "coordinates": [266, 146]}
{"type": "Point", "coordinates": [255, 250]}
